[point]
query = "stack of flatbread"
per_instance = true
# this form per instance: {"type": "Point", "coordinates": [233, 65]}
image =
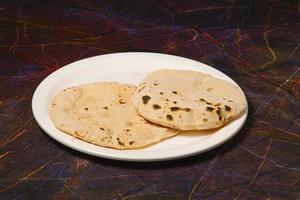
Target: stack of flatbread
{"type": "Point", "coordinates": [166, 102]}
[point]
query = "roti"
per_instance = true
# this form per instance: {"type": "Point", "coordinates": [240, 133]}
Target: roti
{"type": "Point", "coordinates": [102, 114]}
{"type": "Point", "coordinates": [188, 100]}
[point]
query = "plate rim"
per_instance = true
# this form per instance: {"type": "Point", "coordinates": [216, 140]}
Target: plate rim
{"type": "Point", "coordinates": [162, 157]}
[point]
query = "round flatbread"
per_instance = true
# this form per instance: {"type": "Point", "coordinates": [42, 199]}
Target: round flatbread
{"type": "Point", "coordinates": [188, 100]}
{"type": "Point", "coordinates": [102, 114]}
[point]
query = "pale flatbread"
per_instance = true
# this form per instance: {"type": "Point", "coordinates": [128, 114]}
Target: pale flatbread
{"type": "Point", "coordinates": [102, 114]}
{"type": "Point", "coordinates": [188, 100]}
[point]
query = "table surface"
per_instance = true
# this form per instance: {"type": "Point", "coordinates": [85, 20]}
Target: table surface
{"type": "Point", "coordinates": [257, 43]}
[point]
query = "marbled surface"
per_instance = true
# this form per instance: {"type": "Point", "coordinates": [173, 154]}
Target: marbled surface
{"type": "Point", "coordinates": [257, 43]}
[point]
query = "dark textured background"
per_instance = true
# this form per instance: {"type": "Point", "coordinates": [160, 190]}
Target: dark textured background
{"type": "Point", "coordinates": [257, 43]}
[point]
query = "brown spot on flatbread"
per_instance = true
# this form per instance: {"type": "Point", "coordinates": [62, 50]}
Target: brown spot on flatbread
{"type": "Point", "coordinates": [146, 98]}
{"type": "Point", "coordinates": [169, 117]}
{"type": "Point", "coordinates": [209, 89]}
{"type": "Point", "coordinates": [167, 99]}
{"type": "Point", "coordinates": [120, 142]}
{"type": "Point", "coordinates": [156, 107]}
{"type": "Point", "coordinates": [53, 104]}
{"type": "Point", "coordinates": [174, 92]}
{"type": "Point", "coordinates": [219, 112]}
{"type": "Point", "coordinates": [227, 108]}
{"type": "Point", "coordinates": [105, 107]}
{"type": "Point", "coordinates": [155, 84]}
{"type": "Point", "coordinates": [205, 120]}
{"type": "Point", "coordinates": [209, 109]}
{"type": "Point", "coordinates": [175, 102]}
{"type": "Point", "coordinates": [220, 118]}
{"type": "Point", "coordinates": [174, 108]}
{"type": "Point", "coordinates": [139, 90]}
{"type": "Point", "coordinates": [121, 101]}
{"type": "Point", "coordinates": [161, 93]}
{"type": "Point", "coordinates": [77, 133]}
{"type": "Point", "coordinates": [131, 142]}
{"type": "Point", "coordinates": [187, 109]}
{"type": "Point", "coordinates": [102, 128]}
{"type": "Point", "coordinates": [127, 130]}
{"type": "Point", "coordinates": [86, 108]}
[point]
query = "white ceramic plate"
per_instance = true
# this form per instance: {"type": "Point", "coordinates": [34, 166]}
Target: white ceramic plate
{"type": "Point", "coordinates": [128, 68]}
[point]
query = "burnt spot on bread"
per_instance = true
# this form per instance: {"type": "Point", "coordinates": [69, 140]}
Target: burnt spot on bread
{"type": "Point", "coordinates": [220, 118]}
{"type": "Point", "coordinates": [210, 109]}
{"type": "Point", "coordinates": [102, 128]}
{"type": "Point", "coordinates": [161, 93]}
{"type": "Point", "coordinates": [174, 108]}
{"type": "Point", "coordinates": [131, 142]}
{"type": "Point", "coordinates": [156, 107]}
{"type": "Point", "coordinates": [139, 90]}
{"type": "Point", "coordinates": [155, 84]}
{"type": "Point", "coordinates": [219, 112]}
{"type": "Point", "coordinates": [205, 120]}
{"type": "Point", "coordinates": [105, 107]}
{"type": "Point", "coordinates": [127, 130]}
{"type": "Point", "coordinates": [78, 134]}
{"type": "Point", "coordinates": [53, 104]}
{"type": "Point", "coordinates": [120, 142]}
{"type": "Point", "coordinates": [169, 117]}
{"type": "Point", "coordinates": [121, 101]}
{"type": "Point", "coordinates": [203, 100]}
{"type": "Point", "coordinates": [209, 89]}
{"type": "Point", "coordinates": [174, 92]}
{"type": "Point", "coordinates": [227, 108]}
{"type": "Point", "coordinates": [167, 99]}
{"type": "Point", "coordinates": [175, 102]}
{"type": "Point", "coordinates": [86, 108]}
{"type": "Point", "coordinates": [145, 99]}
{"type": "Point", "coordinates": [177, 108]}
{"type": "Point", "coordinates": [187, 109]}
